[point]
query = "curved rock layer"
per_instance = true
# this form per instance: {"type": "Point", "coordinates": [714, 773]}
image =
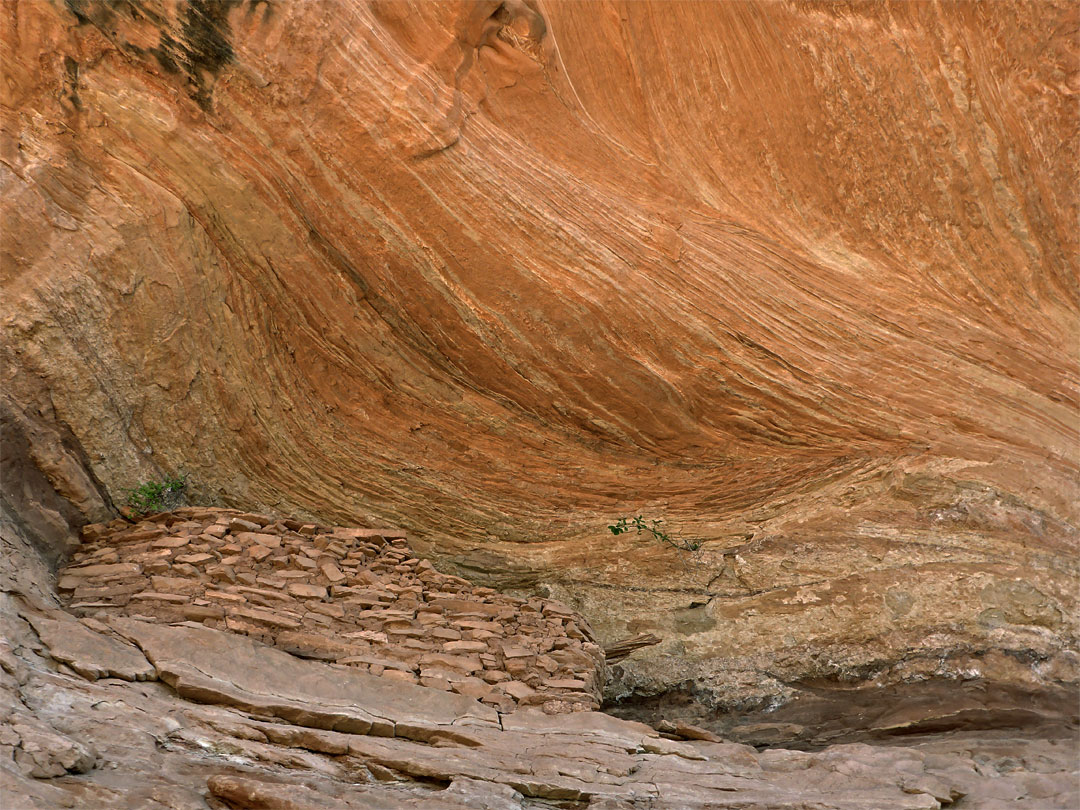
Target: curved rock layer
{"type": "Point", "coordinates": [798, 279]}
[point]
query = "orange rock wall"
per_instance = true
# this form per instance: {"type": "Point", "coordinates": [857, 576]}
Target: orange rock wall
{"type": "Point", "coordinates": [798, 278]}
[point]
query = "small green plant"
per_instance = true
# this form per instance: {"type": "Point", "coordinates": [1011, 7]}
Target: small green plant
{"type": "Point", "coordinates": [156, 496]}
{"type": "Point", "coordinates": [652, 527]}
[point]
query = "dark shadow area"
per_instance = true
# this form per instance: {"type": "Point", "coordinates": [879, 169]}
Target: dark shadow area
{"type": "Point", "coordinates": [825, 714]}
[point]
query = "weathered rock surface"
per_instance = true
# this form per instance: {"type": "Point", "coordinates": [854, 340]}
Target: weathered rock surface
{"type": "Point", "coordinates": [164, 713]}
{"type": "Point", "coordinates": [128, 712]}
{"type": "Point", "coordinates": [234, 724]}
{"type": "Point", "coordinates": [797, 278]}
{"type": "Point", "coordinates": [91, 654]}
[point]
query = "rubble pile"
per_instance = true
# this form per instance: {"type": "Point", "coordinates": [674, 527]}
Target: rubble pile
{"type": "Point", "coordinates": [355, 597]}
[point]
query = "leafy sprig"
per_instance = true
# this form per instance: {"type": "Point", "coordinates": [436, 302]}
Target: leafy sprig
{"type": "Point", "coordinates": [151, 497]}
{"type": "Point", "coordinates": [652, 527]}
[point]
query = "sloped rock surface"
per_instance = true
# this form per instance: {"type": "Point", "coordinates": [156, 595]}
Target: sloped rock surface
{"type": "Point", "coordinates": [91, 654]}
{"type": "Point", "coordinates": [244, 743]}
{"type": "Point", "coordinates": [137, 712]}
{"type": "Point", "coordinates": [208, 666]}
{"type": "Point", "coordinates": [797, 278]}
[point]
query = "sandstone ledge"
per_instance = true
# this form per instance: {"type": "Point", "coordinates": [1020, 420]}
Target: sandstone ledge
{"type": "Point", "coordinates": [228, 723]}
{"type": "Point", "coordinates": [243, 726]}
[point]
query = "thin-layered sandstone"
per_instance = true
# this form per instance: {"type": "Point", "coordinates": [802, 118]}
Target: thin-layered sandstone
{"type": "Point", "coordinates": [797, 278]}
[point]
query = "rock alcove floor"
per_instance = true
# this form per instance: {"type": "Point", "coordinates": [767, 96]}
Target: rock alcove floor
{"type": "Point", "coordinates": [223, 660]}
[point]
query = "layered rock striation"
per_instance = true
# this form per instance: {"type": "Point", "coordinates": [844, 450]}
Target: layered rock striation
{"type": "Point", "coordinates": [799, 279]}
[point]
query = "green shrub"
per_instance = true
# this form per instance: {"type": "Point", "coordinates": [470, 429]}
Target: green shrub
{"type": "Point", "coordinates": [653, 528]}
{"type": "Point", "coordinates": [156, 496]}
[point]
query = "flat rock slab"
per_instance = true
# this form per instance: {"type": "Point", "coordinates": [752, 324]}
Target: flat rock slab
{"type": "Point", "coordinates": [248, 793]}
{"type": "Point", "coordinates": [209, 666]}
{"type": "Point", "coordinates": [598, 725]}
{"type": "Point", "coordinates": [93, 655]}
{"type": "Point", "coordinates": [171, 753]}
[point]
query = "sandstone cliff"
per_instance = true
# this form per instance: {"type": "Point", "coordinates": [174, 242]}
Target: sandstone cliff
{"type": "Point", "coordinates": [798, 279]}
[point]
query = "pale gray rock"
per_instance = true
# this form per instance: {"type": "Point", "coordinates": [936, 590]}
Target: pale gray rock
{"type": "Point", "coordinates": [93, 655]}
{"type": "Point", "coordinates": [210, 666]}
{"type": "Point", "coordinates": [238, 725]}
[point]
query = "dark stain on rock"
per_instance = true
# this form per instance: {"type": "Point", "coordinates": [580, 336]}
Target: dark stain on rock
{"type": "Point", "coordinates": [197, 45]}
{"type": "Point", "coordinates": [71, 82]}
{"type": "Point", "coordinates": [73, 7]}
{"type": "Point", "coordinates": [201, 48]}
{"type": "Point", "coordinates": [38, 508]}
{"type": "Point", "coordinates": [695, 619]}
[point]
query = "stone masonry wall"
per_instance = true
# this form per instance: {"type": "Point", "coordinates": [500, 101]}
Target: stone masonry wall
{"type": "Point", "coordinates": [357, 597]}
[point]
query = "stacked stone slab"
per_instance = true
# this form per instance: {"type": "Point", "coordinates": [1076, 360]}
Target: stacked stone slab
{"type": "Point", "coordinates": [356, 597]}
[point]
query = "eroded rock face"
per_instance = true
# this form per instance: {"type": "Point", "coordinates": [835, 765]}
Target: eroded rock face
{"type": "Point", "coordinates": [136, 712]}
{"type": "Point", "coordinates": [798, 279]}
